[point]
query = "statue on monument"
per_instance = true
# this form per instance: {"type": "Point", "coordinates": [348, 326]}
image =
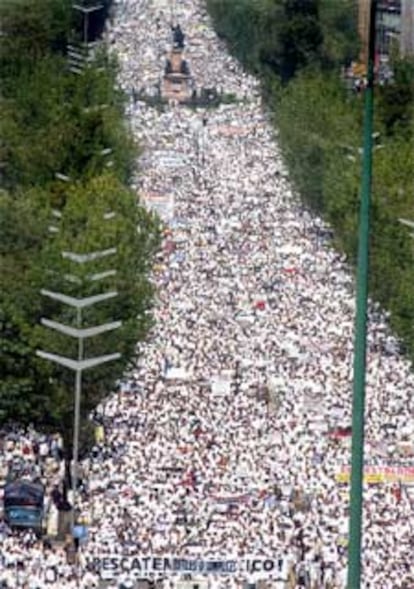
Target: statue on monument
{"type": "Point", "coordinates": [178, 37]}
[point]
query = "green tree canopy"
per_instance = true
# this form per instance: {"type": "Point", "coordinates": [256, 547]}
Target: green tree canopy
{"type": "Point", "coordinates": [58, 125]}
{"type": "Point", "coordinates": [31, 30]}
{"type": "Point", "coordinates": [82, 228]}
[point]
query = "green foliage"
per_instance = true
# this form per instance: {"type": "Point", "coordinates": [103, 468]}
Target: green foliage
{"type": "Point", "coordinates": [24, 390]}
{"type": "Point", "coordinates": [83, 229]}
{"type": "Point", "coordinates": [298, 49]}
{"type": "Point", "coordinates": [338, 21]}
{"type": "Point", "coordinates": [31, 29]}
{"type": "Point", "coordinates": [396, 101]}
{"type": "Point", "coordinates": [281, 37]}
{"type": "Point", "coordinates": [18, 400]}
{"type": "Point", "coordinates": [311, 131]}
{"type": "Point", "coordinates": [57, 122]}
{"type": "Point", "coordinates": [300, 37]}
{"type": "Point", "coordinates": [36, 391]}
{"type": "Point", "coordinates": [51, 125]}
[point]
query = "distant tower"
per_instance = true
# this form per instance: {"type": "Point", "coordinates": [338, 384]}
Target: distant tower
{"type": "Point", "coordinates": [407, 28]}
{"type": "Point", "coordinates": [363, 28]}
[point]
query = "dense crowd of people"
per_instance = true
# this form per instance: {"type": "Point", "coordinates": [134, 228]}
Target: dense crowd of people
{"type": "Point", "coordinates": [227, 439]}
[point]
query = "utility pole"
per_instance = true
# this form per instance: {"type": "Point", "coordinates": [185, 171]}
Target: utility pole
{"type": "Point", "coordinates": [358, 402]}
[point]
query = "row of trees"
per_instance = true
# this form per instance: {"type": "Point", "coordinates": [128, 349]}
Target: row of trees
{"type": "Point", "coordinates": [299, 48]}
{"type": "Point", "coordinates": [64, 148]}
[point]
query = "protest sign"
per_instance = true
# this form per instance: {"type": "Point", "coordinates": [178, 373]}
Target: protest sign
{"type": "Point", "coordinates": [176, 373]}
{"type": "Point", "coordinates": [162, 204]}
{"type": "Point", "coordinates": [111, 566]}
{"type": "Point", "coordinates": [221, 384]}
{"type": "Point", "coordinates": [375, 474]}
{"type": "Point", "coordinates": [231, 499]}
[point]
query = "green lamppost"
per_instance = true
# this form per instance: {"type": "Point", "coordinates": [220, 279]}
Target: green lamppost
{"type": "Point", "coordinates": [358, 403]}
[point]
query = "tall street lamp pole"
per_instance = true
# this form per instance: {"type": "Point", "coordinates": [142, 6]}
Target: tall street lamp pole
{"type": "Point", "coordinates": [86, 11]}
{"type": "Point", "coordinates": [78, 56]}
{"type": "Point", "coordinates": [358, 403]}
{"type": "Point", "coordinates": [80, 364]}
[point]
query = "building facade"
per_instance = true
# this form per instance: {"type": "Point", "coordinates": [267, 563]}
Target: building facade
{"type": "Point", "coordinates": [407, 28]}
{"type": "Point", "coordinates": [395, 25]}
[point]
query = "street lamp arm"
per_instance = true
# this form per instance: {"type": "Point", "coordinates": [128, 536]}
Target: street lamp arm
{"type": "Point", "coordinates": [87, 9]}
{"type": "Point", "coordinates": [101, 275]}
{"type": "Point", "coordinates": [63, 177]}
{"type": "Point", "coordinates": [72, 278]}
{"type": "Point", "coordinates": [407, 223]}
{"type": "Point", "coordinates": [77, 365]}
{"type": "Point", "coordinates": [80, 333]}
{"type": "Point", "coordinates": [91, 277]}
{"type": "Point", "coordinates": [82, 258]}
{"type": "Point", "coordinates": [78, 303]}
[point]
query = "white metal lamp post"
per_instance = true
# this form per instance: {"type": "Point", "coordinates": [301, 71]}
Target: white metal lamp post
{"type": "Point", "coordinates": [86, 11]}
{"type": "Point", "coordinates": [78, 57]}
{"type": "Point", "coordinates": [80, 364]}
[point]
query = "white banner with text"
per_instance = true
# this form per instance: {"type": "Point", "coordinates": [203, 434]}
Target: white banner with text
{"type": "Point", "coordinates": [153, 566]}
